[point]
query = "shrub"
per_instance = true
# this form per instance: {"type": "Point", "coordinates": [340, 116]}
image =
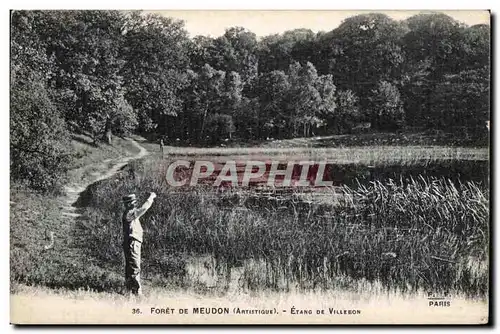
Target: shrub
{"type": "Point", "coordinates": [39, 140]}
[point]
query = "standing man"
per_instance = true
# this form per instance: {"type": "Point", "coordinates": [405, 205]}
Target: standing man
{"type": "Point", "coordinates": [132, 240]}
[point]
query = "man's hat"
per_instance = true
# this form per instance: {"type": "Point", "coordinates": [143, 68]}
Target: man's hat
{"type": "Point", "coordinates": [129, 199]}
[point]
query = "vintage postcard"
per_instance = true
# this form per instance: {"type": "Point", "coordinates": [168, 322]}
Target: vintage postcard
{"type": "Point", "coordinates": [250, 167]}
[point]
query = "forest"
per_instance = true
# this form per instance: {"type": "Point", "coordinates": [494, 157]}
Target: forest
{"type": "Point", "coordinates": [117, 72]}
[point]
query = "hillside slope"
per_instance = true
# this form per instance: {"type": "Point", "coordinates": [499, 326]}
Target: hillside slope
{"type": "Point", "coordinates": [42, 247]}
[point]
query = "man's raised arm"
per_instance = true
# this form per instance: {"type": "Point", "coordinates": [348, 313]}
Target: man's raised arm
{"type": "Point", "coordinates": [142, 210]}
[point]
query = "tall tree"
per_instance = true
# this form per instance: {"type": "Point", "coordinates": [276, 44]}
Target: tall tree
{"type": "Point", "coordinates": [235, 51]}
{"type": "Point", "coordinates": [346, 114]}
{"type": "Point", "coordinates": [203, 96]}
{"type": "Point", "coordinates": [436, 38]}
{"type": "Point", "coordinates": [364, 50]}
{"type": "Point", "coordinates": [155, 51]}
{"type": "Point", "coordinates": [477, 45]}
{"type": "Point", "coordinates": [304, 100]}
{"type": "Point", "coordinates": [387, 107]}
{"type": "Point", "coordinates": [279, 51]}
{"type": "Point", "coordinates": [272, 91]}
{"type": "Point", "coordinates": [461, 101]}
{"type": "Point", "coordinates": [86, 49]}
{"type": "Point", "coordinates": [436, 47]}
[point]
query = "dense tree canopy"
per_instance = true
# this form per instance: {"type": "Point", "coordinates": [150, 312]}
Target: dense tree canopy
{"type": "Point", "coordinates": [102, 72]}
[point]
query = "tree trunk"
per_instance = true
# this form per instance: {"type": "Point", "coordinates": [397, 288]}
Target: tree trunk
{"type": "Point", "coordinates": [203, 124]}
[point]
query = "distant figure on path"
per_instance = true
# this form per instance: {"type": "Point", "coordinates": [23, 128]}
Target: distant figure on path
{"type": "Point", "coordinates": [161, 146]}
{"type": "Point", "coordinates": [108, 132]}
{"type": "Point", "coordinates": [132, 241]}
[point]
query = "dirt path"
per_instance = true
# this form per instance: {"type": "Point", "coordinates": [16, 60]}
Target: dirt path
{"type": "Point", "coordinates": [97, 172]}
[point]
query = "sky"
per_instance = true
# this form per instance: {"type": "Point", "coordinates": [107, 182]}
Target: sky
{"type": "Point", "coordinates": [267, 22]}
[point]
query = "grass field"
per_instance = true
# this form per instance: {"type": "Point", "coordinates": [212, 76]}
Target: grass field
{"type": "Point", "coordinates": [406, 235]}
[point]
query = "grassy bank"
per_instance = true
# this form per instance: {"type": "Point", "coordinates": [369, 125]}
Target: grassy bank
{"type": "Point", "coordinates": [33, 219]}
{"type": "Point", "coordinates": [90, 158]}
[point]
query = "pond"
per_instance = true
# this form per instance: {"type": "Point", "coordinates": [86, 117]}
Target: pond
{"type": "Point", "coordinates": [258, 174]}
{"type": "Point", "coordinates": [456, 170]}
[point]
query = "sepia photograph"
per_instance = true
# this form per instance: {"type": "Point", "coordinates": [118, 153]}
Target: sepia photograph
{"type": "Point", "coordinates": [250, 167]}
